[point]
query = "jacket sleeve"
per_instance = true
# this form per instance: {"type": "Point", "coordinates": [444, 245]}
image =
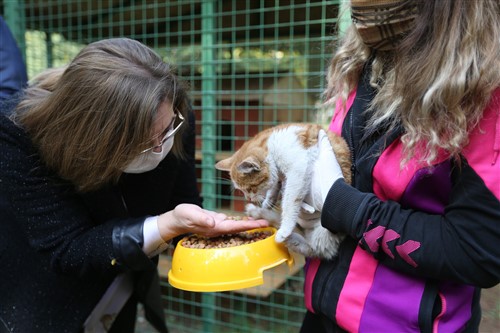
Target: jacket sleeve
{"type": "Point", "coordinates": [13, 75]}
{"type": "Point", "coordinates": [461, 244]}
{"type": "Point", "coordinates": [56, 222]}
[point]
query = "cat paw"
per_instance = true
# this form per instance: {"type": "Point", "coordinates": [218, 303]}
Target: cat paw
{"type": "Point", "coordinates": [258, 212]}
{"type": "Point", "coordinates": [324, 243]}
{"type": "Point", "coordinates": [296, 243]}
{"type": "Point", "coordinates": [253, 211]}
{"type": "Point", "coordinates": [281, 236]}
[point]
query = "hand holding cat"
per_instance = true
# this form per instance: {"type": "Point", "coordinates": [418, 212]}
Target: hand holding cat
{"type": "Point", "coordinates": [326, 171]}
{"type": "Point", "coordinates": [189, 218]}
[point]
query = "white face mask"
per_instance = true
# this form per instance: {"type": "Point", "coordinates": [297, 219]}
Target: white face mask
{"type": "Point", "coordinates": [149, 160]}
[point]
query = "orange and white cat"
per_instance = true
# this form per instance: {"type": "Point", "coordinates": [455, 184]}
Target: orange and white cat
{"type": "Point", "coordinates": [273, 170]}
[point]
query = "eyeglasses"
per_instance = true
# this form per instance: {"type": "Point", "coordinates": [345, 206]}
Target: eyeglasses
{"type": "Point", "coordinates": [168, 132]}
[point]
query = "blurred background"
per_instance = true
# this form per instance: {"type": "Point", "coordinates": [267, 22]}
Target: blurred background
{"type": "Point", "coordinates": [250, 64]}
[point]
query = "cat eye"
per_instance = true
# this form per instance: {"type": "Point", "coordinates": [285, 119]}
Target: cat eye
{"type": "Point", "coordinates": [168, 132]}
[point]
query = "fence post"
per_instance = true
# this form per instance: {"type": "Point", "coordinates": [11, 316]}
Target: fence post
{"type": "Point", "coordinates": [208, 134]}
{"type": "Point", "coordinates": [344, 19]}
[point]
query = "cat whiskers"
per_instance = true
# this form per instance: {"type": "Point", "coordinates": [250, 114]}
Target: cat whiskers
{"type": "Point", "coordinates": [226, 181]}
{"type": "Point", "coordinates": [271, 205]}
{"type": "Point", "coordinates": [275, 207]}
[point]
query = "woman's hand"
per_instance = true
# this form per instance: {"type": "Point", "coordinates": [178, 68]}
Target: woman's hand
{"type": "Point", "coordinates": [326, 171]}
{"type": "Point", "coordinates": [189, 218]}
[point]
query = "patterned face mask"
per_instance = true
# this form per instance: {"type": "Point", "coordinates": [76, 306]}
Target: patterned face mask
{"type": "Point", "coordinates": [383, 23]}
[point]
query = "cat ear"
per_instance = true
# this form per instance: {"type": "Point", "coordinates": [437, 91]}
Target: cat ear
{"type": "Point", "coordinates": [249, 165]}
{"type": "Point", "coordinates": [224, 165]}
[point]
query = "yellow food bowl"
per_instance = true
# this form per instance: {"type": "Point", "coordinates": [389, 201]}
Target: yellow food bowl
{"type": "Point", "coordinates": [228, 268]}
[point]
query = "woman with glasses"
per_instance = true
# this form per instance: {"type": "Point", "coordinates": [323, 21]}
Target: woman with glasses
{"type": "Point", "coordinates": [97, 175]}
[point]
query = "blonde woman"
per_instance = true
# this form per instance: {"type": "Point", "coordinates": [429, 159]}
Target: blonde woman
{"type": "Point", "coordinates": [97, 176]}
{"type": "Point", "coordinates": [415, 85]}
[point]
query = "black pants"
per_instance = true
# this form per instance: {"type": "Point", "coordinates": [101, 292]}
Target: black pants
{"type": "Point", "coordinates": [125, 321]}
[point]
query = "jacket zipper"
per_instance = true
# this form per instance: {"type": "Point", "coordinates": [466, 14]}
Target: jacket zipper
{"type": "Point", "coordinates": [351, 147]}
{"type": "Point", "coordinates": [353, 169]}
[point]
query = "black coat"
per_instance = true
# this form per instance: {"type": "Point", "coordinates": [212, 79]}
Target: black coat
{"type": "Point", "coordinates": [57, 246]}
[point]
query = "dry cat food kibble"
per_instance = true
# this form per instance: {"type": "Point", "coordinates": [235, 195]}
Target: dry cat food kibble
{"type": "Point", "coordinates": [241, 238]}
{"type": "Point", "coordinates": [237, 218]}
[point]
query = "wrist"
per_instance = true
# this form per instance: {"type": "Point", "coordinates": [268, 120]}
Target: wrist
{"type": "Point", "coordinates": [153, 242]}
{"type": "Point", "coordinates": [326, 188]}
{"type": "Point", "coordinates": [342, 211]}
{"type": "Point", "coordinates": [167, 226]}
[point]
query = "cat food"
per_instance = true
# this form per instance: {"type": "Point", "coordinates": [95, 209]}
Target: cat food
{"type": "Point", "coordinates": [230, 240]}
{"type": "Point", "coordinates": [237, 218]}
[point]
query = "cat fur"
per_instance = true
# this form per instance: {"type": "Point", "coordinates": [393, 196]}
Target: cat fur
{"type": "Point", "coordinates": [273, 170]}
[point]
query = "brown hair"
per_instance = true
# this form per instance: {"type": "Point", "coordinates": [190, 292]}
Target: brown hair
{"type": "Point", "coordinates": [437, 82]}
{"type": "Point", "coordinates": [90, 120]}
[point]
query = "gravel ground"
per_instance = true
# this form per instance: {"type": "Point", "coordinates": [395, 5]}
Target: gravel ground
{"type": "Point", "coordinates": [490, 301]}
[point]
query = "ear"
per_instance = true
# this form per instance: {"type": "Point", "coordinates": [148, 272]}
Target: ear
{"type": "Point", "coordinates": [249, 165]}
{"type": "Point", "coordinates": [224, 165]}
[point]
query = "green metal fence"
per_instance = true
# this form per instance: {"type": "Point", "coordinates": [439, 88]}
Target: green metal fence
{"type": "Point", "coordinates": [250, 64]}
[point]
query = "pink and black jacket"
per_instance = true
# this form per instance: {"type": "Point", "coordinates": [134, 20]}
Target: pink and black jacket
{"type": "Point", "coordinates": [423, 240]}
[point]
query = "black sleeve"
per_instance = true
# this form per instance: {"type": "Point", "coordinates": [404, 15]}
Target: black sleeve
{"type": "Point", "coordinates": [55, 220]}
{"type": "Point", "coordinates": [459, 245]}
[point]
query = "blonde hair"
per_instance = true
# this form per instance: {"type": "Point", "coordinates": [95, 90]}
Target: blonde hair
{"type": "Point", "coordinates": [437, 82]}
{"type": "Point", "coordinates": [91, 119]}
